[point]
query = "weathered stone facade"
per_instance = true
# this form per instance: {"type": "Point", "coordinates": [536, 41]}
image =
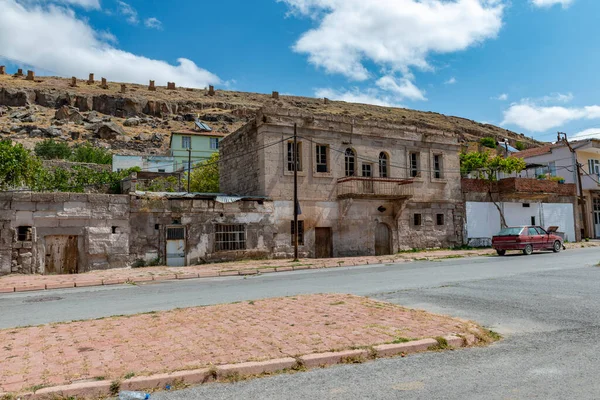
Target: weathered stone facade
{"type": "Point", "coordinates": [419, 211]}
{"type": "Point", "coordinates": [82, 231]}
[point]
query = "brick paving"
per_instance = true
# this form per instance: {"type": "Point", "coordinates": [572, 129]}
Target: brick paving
{"type": "Point", "coordinates": [12, 283]}
{"type": "Point", "coordinates": [116, 347]}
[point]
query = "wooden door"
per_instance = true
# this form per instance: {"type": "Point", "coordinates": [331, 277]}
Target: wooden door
{"type": "Point", "coordinates": [61, 255]}
{"type": "Point", "coordinates": [323, 243]}
{"type": "Point", "coordinates": [382, 240]}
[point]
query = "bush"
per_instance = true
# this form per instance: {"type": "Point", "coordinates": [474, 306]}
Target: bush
{"type": "Point", "coordinates": [519, 146]}
{"type": "Point", "coordinates": [557, 179]}
{"type": "Point", "coordinates": [52, 150]}
{"type": "Point", "coordinates": [87, 153]}
{"type": "Point", "coordinates": [488, 142]}
{"type": "Point", "coordinates": [18, 167]}
{"type": "Point", "coordinates": [205, 176]}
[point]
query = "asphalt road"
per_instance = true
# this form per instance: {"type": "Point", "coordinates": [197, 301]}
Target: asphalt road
{"type": "Point", "coordinates": [547, 306]}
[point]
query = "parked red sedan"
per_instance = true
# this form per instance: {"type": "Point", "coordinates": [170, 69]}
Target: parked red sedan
{"type": "Point", "coordinates": [526, 239]}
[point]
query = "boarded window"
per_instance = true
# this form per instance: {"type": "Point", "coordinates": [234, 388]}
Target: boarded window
{"type": "Point", "coordinates": [383, 165]}
{"type": "Point", "coordinates": [175, 233]}
{"type": "Point", "coordinates": [440, 219]}
{"type": "Point", "coordinates": [294, 155]}
{"type": "Point", "coordinates": [415, 165]}
{"type": "Point", "coordinates": [322, 162]}
{"type": "Point", "coordinates": [350, 162]}
{"type": "Point", "coordinates": [230, 237]}
{"type": "Point", "coordinates": [186, 142]}
{"type": "Point", "coordinates": [300, 232]}
{"type": "Point", "coordinates": [417, 219]}
{"type": "Point", "coordinates": [24, 234]}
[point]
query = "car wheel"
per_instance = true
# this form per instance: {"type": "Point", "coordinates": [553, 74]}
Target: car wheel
{"type": "Point", "coordinates": [528, 250]}
{"type": "Point", "coordinates": [557, 247]}
{"type": "Point", "coordinates": [501, 252]}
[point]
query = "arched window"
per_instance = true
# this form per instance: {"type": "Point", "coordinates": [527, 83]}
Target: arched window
{"type": "Point", "coordinates": [350, 158]}
{"type": "Point", "coordinates": [383, 165]}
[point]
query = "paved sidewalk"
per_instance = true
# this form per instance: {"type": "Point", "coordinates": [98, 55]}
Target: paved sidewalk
{"type": "Point", "coordinates": [20, 283]}
{"type": "Point", "coordinates": [119, 347]}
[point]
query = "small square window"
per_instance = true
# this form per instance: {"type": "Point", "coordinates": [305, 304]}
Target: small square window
{"type": "Point", "coordinates": [440, 219]}
{"type": "Point", "coordinates": [161, 170]}
{"type": "Point", "coordinates": [526, 205]}
{"type": "Point", "coordinates": [417, 219]}
{"type": "Point", "coordinates": [114, 230]}
{"type": "Point", "coordinates": [24, 234]}
{"type": "Point", "coordinates": [300, 232]}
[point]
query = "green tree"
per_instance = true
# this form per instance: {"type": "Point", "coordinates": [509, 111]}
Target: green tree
{"type": "Point", "coordinates": [520, 146]}
{"type": "Point", "coordinates": [87, 153]}
{"type": "Point", "coordinates": [204, 177]}
{"type": "Point", "coordinates": [49, 149]}
{"type": "Point", "coordinates": [488, 142]}
{"type": "Point", "coordinates": [18, 167]}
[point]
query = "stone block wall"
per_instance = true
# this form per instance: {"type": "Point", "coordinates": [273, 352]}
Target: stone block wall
{"type": "Point", "coordinates": [241, 169]}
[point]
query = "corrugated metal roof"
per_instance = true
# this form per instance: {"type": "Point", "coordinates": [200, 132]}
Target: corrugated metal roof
{"type": "Point", "coordinates": [221, 197]}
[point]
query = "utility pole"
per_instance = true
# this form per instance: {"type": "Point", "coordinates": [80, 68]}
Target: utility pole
{"type": "Point", "coordinates": [296, 156]}
{"type": "Point", "coordinates": [578, 172]}
{"type": "Point", "coordinates": [189, 166]}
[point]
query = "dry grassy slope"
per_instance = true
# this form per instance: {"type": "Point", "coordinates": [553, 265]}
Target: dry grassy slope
{"type": "Point", "coordinates": [226, 110]}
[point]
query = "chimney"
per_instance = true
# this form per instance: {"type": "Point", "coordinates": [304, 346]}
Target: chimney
{"type": "Point", "coordinates": [104, 85]}
{"type": "Point", "coordinates": [275, 95]}
{"type": "Point", "coordinates": [123, 88]}
{"type": "Point", "coordinates": [20, 72]}
{"type": "Point", "coordinates": [30, 75]}
{"type": "Point", "coordinates": [151, 87]}
{"type": "Point", "coordinates": [2, 70]}
{"type": "Point", "coordinates": [211, 90]}
{"type": "Point", "coordinates": [91, 80]}
{"type": "Point", "coordinates": [73, 82]}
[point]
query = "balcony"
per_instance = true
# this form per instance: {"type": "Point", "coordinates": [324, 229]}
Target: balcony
{"type": "Point", "coordinates": [374, 188]}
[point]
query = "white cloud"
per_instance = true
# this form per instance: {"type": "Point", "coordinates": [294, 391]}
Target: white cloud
{"type": "Point", "coordinates": [153, 23]}
{"type": "Point", "coordinates": [536, 118]}
{"type": "Point", "coordinates": [557, 98]}
{"type": "Point", "coordinates": [87, 4]}
{"type": "Point", "coordinates": [593, 133]}
{"type": "Point", "coordinates": [550, 3]}
{"type": "Point", "coordinates": [53, 38]}
{"type": "Point", "coordinates": [355, 95]}
{"type": "Point", "coordinates": [401, 88]}
{"type": "Point", "coordinates": [450, 81]}
{"type": "Point", "coordinates": [501, 97]}
{"type": "Point", "coordinates": [394, 34]}
{"type": "Point", "coordinates": [129, 12]}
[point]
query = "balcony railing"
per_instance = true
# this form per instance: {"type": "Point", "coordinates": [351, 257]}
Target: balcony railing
{"type": "Point", "coordinates": [380, 188]}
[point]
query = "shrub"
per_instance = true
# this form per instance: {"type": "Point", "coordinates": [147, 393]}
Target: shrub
{"type": "Point", "coordinates": [519, 146]}
{"type": "Point", "coordinates": [17, 166]}
{"type": "Point", "coordinates": [488, 142]}
{"type": "Point", "coordinates": [87, 153]}
{"type": "Point", "coordinates": [49, 149]}
{"type": "Point", "coordinates": [205, 176]}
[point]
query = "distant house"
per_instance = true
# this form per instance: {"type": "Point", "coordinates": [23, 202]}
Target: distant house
{"type": "Point", "coordinates": [145, 163]}
{"type": "Point", "coordinates": [202, 142]}
{"type": "Point", "coordinates": [557, 160]}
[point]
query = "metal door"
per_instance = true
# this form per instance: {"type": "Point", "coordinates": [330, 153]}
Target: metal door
{"type": "Point", "coordinates": [323, 247]}
{"type": "Point", "coordinates": [382, 240]}
{"type": "Point", "coordinates": [61, 255]}
{"type": "Point", "coordinates": [175, 246]}
{"type": "Point", "coordinates": [597, 216]}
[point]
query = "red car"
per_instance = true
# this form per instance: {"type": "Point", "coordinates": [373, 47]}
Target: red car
{"type": "Point", "coordinates": [527, 239]}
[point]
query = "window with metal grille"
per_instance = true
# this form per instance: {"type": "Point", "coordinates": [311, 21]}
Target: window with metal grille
{"type": "Point", "coordinates": [350, 162]}
{"type": "Point", "coordinates": [417, 219]}
{"type": "Point", "coordinates": [322, 164]}
{"type": "Point", "coordinates": [437, 166]}
{"type": "Point", "coordinates": [214, 143]}
{"type": "Point", "coordinates": [175, 233]}
{"type": "Point", "coordinates": [440, 219]}
{"type": "Point", "coordinates": [186, 142]}
{"type": "Point", "coordinates": [300, 232]}
{"type": "Point", "coordinates": [230, 237]}
{"type": "Point", "coordinates": [414, 165]}
{"type": "Point", "coordinates": [383, 165]}
{"type": "Point", "coordinates": [24, 234]}
{"type": "Point", "coordinates": [297, 155]}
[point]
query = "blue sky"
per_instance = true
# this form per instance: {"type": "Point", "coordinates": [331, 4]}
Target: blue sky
{"type": "Point", "coordinates": [527, 65]}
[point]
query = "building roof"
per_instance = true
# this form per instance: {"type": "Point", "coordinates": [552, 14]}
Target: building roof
{"type": "Point", "coordinates": [199, 133]}
{"type": "Point", "coordinates": [538, 151]}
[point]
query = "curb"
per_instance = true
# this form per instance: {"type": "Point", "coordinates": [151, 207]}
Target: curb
{"type": "Point", "coordinates": [98, 389]}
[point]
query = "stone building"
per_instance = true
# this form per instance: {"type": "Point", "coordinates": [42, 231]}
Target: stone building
{"type": "Point", "coordinates": [365, 187]}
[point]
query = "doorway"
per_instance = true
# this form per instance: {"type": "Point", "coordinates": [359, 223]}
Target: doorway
{"type": "Point", "coordinates": [61, 255]}
{"type": "Point", "coordinates": [323, 243]}
{"type": "Point", "coordinates": [175, 246]}
{"type": "Point", "coordinates": [597, 216]}
{"type": "Point", "coordinates": [382, 240]}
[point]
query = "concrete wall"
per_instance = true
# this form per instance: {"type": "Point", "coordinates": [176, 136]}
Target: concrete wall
{"type": "Point", "coordinates": [100, 222]}
{"type": "Point", "coordinates": [483, 218]}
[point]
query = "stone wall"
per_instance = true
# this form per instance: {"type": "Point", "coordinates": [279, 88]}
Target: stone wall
{"type": "Point", "coordinates": [98, 223]}
{"type": "Point", "coordinates": [241, 170]}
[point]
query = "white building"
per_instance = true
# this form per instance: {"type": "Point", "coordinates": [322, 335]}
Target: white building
{"type": "Point", "coordinates": [145, 163]}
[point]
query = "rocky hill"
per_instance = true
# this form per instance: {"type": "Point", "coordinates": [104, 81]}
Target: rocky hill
{"type": "Point", "coordinates": [132, 119]}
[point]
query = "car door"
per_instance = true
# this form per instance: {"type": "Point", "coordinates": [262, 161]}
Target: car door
{"type": "Point", "coordinates": [544, 237]}
{"type": "Point", "coordinates": [534, 238]}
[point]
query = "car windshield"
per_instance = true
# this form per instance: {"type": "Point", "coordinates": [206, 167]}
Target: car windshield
{"type": "Point", "coordinates": [510, 232]}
